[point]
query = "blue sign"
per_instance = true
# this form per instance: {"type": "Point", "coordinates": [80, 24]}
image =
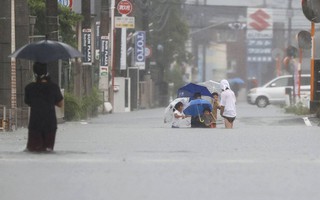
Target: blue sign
{"type": "Point", "coordinates": [259, 50]}
{"type": "Point", "coordinates": [65, 3]}
{"type": "Point", "coordinates": [140, 49]}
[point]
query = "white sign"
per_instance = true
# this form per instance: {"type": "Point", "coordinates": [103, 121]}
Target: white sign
{"type": "Point", "coordinates": [124, 22]}
{"type": "Point", "coordinates": [123, 54]}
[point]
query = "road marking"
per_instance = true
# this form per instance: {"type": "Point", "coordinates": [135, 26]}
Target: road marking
{"type": "Point", "coordinates": [306, 121]}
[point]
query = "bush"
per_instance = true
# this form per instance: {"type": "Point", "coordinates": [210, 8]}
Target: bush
{"type": "Point", "coordinates": [76, 109]}
{"type": "Point", "coordinates": [298, 109]}
{"type": "Point", "coordinates": [318, 112]}
{"type": "Point", "coordinates": [90, 104]}
{"type": "Point", "coordinates": [72, 108]}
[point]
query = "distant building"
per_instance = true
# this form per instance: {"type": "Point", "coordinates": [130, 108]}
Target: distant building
{"type": "Point", "coordinates": [219, 43]}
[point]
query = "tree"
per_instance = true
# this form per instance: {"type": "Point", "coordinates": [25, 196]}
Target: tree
{"type": "Point", "coordinates": [170, 29]}
{"type": "Point", "coordinates": [67, 21]}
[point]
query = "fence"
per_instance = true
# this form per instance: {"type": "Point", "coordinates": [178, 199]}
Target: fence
{"type": "Point", "coordinates": [11, 119]}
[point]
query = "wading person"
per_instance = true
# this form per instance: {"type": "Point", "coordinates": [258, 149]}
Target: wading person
{"type": "Point", "coordinates": [178, 115]}
{"type": "Point", "coordinates": [227, 104]}
{"type": "Point", "coordinates": [42, 96]}
{"type": "Point", "coordinates": [215, 106]}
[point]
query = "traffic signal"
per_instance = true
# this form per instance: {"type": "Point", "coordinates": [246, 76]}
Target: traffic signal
{"type": "Point", "coordinates": [304, 40]}
{"type": "Point", "coordinates": [311, 9]}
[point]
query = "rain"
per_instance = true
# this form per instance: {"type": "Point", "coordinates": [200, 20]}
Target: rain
{"type": "Point", "coordinates": [159, 99]}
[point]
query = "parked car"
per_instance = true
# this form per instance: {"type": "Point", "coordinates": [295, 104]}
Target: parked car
{"type": "Point", "coordinates": [274, 92]}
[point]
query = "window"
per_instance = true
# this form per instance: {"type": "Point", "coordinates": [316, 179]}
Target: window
{"type": "Point", "coordinates": [282, 82]}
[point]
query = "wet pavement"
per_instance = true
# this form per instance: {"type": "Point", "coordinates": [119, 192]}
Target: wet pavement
{"type": "Point", "coordinates": [269, 155]}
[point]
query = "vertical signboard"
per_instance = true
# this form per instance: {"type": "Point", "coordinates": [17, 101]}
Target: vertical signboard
{"type": "Point", "coordinates": [86, 46]}
{"type": "Point", "coordinates": [259, 35]}
{"type": "Point", "coordinates": [140, 46]}
{"type": "Point", "coordinates": [123, 50]}
{"type": "Point", "coordinates": [104, 63]}
{"type": "Point", "coordinates": [104, 51]}
{"type": "Point", "coordinates": [97, 43]}
{"type": "Point", "coordinates": [259, 42]}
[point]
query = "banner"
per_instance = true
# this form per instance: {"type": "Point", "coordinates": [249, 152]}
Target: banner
{"type": "Point", "coordinates": [97, 43]}
{"type": "Point", "coordinates": [104, 51]}
{"type": "Point", "coordinates": [123, 49]}
{"type": "Point", "coordinates": [139, 50]}
{"type": "Point", "coordinates": [86, 46]}
{"type": "Point", "coordinates": [104, 63]}
{"type": "Point", "coordinates": [259, 35]}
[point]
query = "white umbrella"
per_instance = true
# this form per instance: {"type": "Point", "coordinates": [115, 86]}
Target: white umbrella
{"type": "Point", "coordinates": [212, 86]}
{"type": "Point", "coordinates": [168, 112]}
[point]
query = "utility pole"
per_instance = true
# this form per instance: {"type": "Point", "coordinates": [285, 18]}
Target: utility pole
{"type": "Point", "coordinates": [13, 60]}
{"type": "Point", "coordinates": [22, 33]}
{"type": "Point", "coordinates": [289, 15]}
{"type": "Point", "coordinates": [87, 67]}
{"type": "Point", "coordinates": [104, 55]}
{"type": "Point", "coordinates": [52, 33]}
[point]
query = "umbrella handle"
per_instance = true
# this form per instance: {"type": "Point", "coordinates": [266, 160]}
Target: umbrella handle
{"type": "Point", "coordinates": [199, 116]}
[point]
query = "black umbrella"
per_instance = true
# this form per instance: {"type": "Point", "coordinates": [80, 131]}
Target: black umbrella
{"type": "Point", "coordinates": [46, 51]}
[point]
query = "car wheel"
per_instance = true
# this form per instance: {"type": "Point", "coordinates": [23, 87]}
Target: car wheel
{"type": "Point", "coordinates": [262, 102]}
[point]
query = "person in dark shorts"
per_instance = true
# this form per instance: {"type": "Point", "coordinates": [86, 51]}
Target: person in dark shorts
{"type": "Point", "coordinates": [195, 120]}
{"type": "Point", "coordinates": [42, 96]}
{"type": "Point", "coordinates": [227, 104]}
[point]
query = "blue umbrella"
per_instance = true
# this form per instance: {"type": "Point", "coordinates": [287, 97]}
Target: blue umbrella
{"type": "Point", "coordinates": [196, 107]}
{"type": "Point", "coordinates": [236, 80]}
{"type": "Point", "coordinates": [190, 89]}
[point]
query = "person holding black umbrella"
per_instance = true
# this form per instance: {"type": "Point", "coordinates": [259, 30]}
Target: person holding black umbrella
{"type": "Point", "coordinates": [42, 96]}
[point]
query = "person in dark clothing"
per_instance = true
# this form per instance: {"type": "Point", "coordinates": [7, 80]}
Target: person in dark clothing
{"type": "Point", "coordinates": [195, 120]}
{"type": "Point", "coordinates": [42, 96]}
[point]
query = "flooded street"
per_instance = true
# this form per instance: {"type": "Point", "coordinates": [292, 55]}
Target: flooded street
{"type": "Point", "coordinates": [268, 155]}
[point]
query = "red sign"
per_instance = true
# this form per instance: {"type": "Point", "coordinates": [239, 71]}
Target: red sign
{"type": "Point", "coordinates": [65, 3]}
{"type": "Point", "coordinates": [124, 7]}
{"type": "Point", "coordinates": [260, 20]}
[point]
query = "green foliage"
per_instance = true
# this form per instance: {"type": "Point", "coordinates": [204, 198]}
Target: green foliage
{"type": "Point", "coordinates": [38, 8]}
{"type": "Point", "coordinates": [72, 108]}
{"type": "Point", "coordinates": [318, 112]}
{"type": "Point", "coordinates": [297, 109]}
{"type": "Point", "coordinates": [170, 29]}
{"type": "Point", "coordinates": [67, 21]}
{"type": "Point", "coordinates": [76, 109]}
{"type": "Point", "coordinates": [174, 75]}
{"type": "Point", "coordinates": [90, 104]}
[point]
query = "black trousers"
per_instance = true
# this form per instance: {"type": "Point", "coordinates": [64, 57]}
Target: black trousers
{"type": "Point", "coordinates": [40, 140]}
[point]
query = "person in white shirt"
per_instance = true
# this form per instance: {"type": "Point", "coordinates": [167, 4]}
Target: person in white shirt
{"type": "Point", "coordinates": [178, 115]}
{"type": "Point", "coordinates": [228, 104]}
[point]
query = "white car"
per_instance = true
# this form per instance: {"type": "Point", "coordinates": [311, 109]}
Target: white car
{"type": "Point", "coordinates": [274, 92]}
